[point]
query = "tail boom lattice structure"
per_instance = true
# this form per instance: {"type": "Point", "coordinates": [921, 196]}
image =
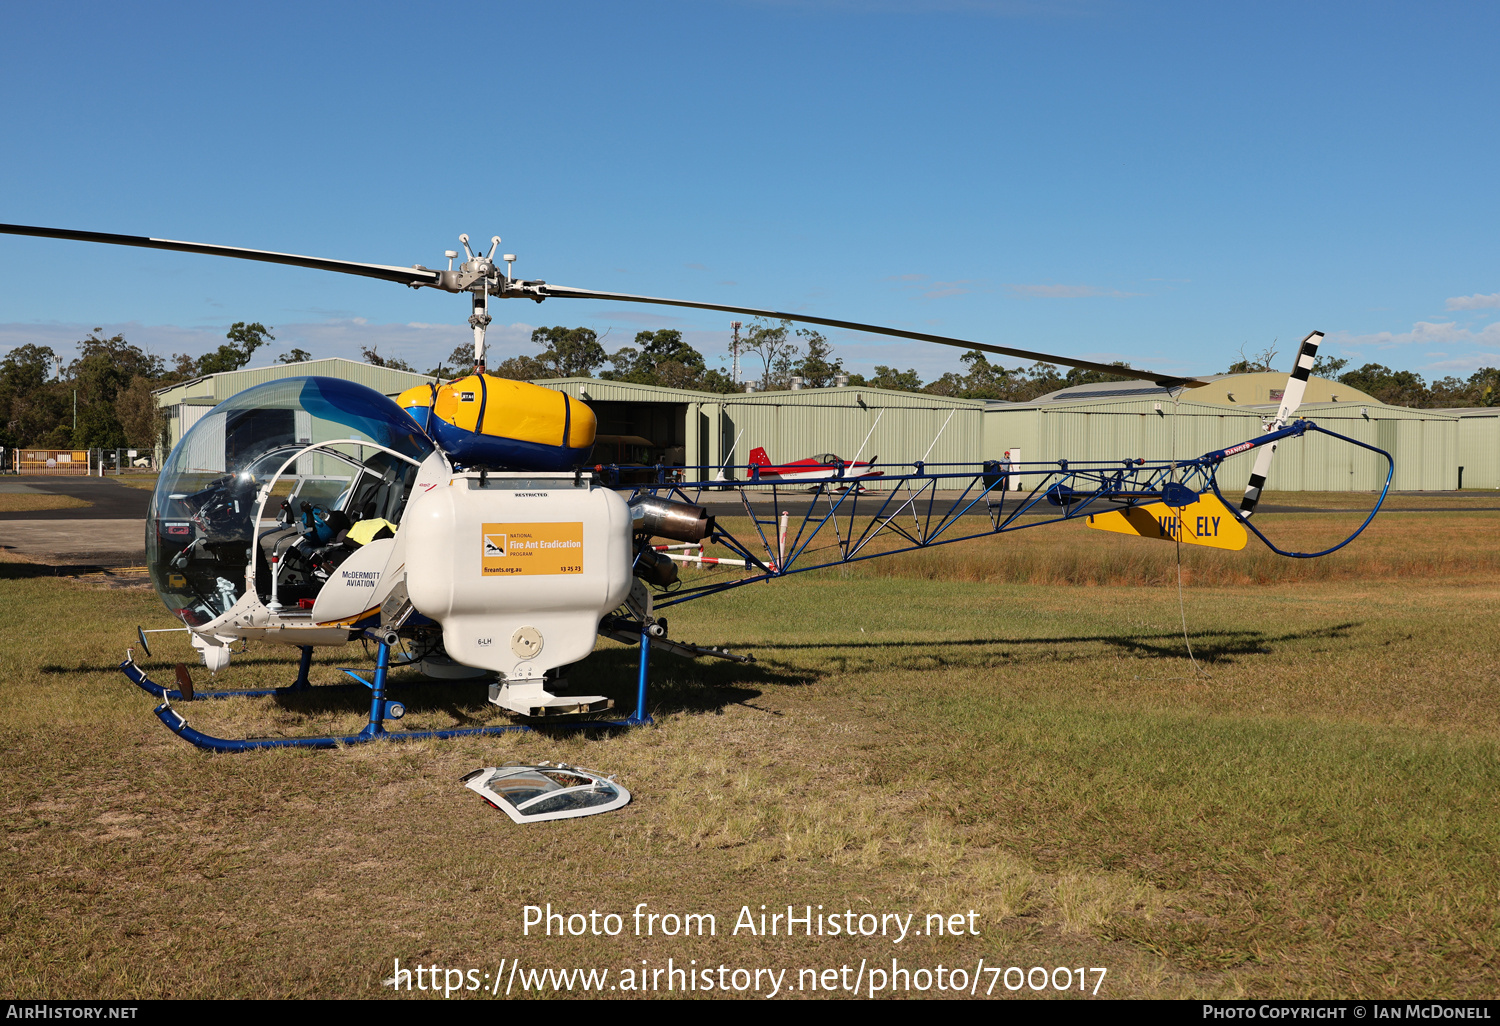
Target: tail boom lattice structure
{"type": "Point", "coordinates": [920, 506]}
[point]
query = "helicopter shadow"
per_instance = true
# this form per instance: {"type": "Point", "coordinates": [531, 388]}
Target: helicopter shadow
{"type": "Point", "coordinates": [613, 674]}
{"type": "Point", "coordinates": [710, 686]}
{"type": "Point", "coordinates": [18, 571]}
{"type": "Point", "coordinates": [1213, 646]}
{"type": "Point", "coordinates": [162, 668]}
{"type": "Point", "coordinates": [679, 685]}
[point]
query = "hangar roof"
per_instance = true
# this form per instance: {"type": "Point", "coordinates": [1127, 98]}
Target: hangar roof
{"type": "Point", "coordinates": [851, 395]}
{"type": "Point", "coordinates": [1263, 388]}
{"type": "Point", "coordinates": [212, 389]}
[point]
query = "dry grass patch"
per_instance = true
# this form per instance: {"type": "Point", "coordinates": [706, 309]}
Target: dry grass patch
{"type": "Point", "coordinates": [1310, 811]}
{"type": "Point", "coordinates": [26, 502]}
{"type": "Point", "coordinates": [137, 480]}
{"type": "Point", "coordinates": [1401, 546]}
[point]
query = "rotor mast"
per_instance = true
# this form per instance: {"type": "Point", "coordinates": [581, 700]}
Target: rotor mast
{"type": "Point", "coordinates": [475, 276]}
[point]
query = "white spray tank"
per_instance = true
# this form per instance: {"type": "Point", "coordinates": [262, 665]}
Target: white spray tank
{"type": "Point", "coordinates": [519, 568]}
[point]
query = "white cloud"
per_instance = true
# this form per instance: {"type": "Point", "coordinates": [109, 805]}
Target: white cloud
{"type": "Point", "coordinates": [943, 289]}
{"type": "Point", "coordinates": [1424, 333]}
{"type": "Point", "coordinates": [641, 317]}
{"type": "Point", "coordinates": [1065, 291]}
{"type": "Point", "coordinates": [1474, 302]}
{"type": "Point", "coordinates": [935, 289]}
{"type": "Point", "coordinates": [1462, 350]}
{"type": "Point", "coordinates": [1463, 367]}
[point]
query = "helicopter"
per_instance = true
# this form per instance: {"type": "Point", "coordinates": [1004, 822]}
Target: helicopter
{"type": "Point", "coordinates": [459, 529]}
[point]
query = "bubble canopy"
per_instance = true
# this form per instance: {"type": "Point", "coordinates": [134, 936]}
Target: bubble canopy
{"type": "Point", "coordinates": [202, 527]}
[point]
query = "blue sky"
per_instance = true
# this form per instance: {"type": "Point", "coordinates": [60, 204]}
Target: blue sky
{"type": "Point", "coordinates": [1163, 183]}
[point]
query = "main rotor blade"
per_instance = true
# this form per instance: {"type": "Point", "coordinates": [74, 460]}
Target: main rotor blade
{"type": "Point", "coordinates": [403, 275]}
{"type": "Point", "coordinates": [418, 276]}
{"type": "Point", "coordinates": [1167, 380]}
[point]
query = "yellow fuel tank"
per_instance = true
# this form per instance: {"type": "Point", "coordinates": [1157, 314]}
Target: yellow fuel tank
{"type": "Point", "coordinates": [485, 421]}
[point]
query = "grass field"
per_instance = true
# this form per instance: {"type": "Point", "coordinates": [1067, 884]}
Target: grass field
{"type": "Point", "coordinates": [1306, 808]}
{"type": "Point", "coordinates": [25, 502]}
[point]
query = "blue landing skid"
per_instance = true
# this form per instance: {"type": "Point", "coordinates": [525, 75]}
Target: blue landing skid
{"type": "Point", "coordinates": [379, 707]}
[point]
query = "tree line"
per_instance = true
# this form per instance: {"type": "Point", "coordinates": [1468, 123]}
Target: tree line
{"type": "Point", "coordinates": [103, 398]}
{"type": "Point", "coordinates": [774, 353]}
{"type": "Point", "coordinates": [1391, 387]}
{"type": "Point", "coordinates": [778, 353]}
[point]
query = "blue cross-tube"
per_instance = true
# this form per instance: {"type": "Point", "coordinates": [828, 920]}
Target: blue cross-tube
{"type": "Point", "coordinates": [381, 708]}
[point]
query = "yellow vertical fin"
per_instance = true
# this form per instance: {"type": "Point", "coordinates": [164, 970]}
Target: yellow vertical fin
{"type": "Point", "coordinates": [1205, 522]}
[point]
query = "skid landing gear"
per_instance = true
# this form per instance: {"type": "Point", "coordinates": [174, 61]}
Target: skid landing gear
{"type": "Point", "coordinates": [185, 692]}
{"type": "Point", "coordinates": [381, 709]}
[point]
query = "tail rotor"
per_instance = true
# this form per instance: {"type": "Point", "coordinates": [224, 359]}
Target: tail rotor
{"type": "Point", "coordinates": [1296, 387]}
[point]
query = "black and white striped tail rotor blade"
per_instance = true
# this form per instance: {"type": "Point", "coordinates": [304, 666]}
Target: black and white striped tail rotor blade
{"type": "Point", "coordinates": [1296, 385]}
{"type": "Point", "coordinates": [1258, 475]}
{"type": "Point", "coordinates": [1296, 388]}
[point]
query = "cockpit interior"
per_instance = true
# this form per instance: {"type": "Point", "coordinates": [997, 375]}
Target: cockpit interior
{"type": "Point", "coordinates": [273, 489]}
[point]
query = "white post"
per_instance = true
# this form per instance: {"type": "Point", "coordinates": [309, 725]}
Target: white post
{"type": "Point", "coordinates": [720, 475]}
{"type": "Point", "coordinates": [937, 436]}
{"type": "Point", "coordinates": [867, 436]}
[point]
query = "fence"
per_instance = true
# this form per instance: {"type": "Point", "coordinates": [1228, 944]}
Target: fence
{"type": "Point", "coordinates": [76, 462]}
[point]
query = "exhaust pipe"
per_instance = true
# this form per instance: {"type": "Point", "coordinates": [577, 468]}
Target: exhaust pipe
{"type": "Point", "coordinates": [666, 519]}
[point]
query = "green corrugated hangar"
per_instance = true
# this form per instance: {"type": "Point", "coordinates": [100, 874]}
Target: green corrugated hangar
{"type": "Point", "coordinates": [707, 429]}
{"type": "Point", "coordinates": [1099, 422]}
{"type": "Point", "coordinates": [1116, 420]}
{"type": "Point", "coordinates": [1105, 421]}
{"type": "Point", "coordinates": [186, 401]}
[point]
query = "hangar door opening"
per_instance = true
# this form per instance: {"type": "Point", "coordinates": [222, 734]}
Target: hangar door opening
{"type": "Point", "coordinates": [646, 433]}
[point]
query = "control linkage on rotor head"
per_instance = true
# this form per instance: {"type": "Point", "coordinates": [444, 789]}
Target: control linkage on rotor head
{"type": "Point", "coordinates": [479, 276]}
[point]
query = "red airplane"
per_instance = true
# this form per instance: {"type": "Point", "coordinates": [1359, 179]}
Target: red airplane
{"type": "Point", "coordinates": [824, 467]}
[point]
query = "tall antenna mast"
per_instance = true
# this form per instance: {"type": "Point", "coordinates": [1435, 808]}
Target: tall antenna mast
{"type": "Point", "coordinates": [734, 347]}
